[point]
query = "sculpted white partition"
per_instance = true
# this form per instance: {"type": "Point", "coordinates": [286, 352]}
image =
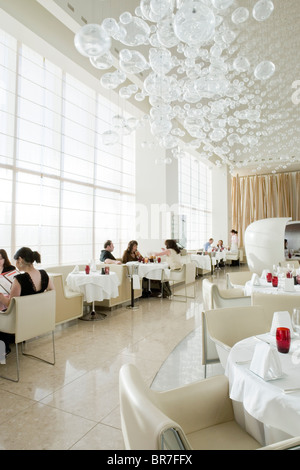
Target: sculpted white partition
{"type": "Point", "coordinates": [264, 243]}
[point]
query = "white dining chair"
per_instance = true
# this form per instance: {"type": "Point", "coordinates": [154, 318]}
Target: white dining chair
{"type": "Point", "coordinates": [196, 416]}
{"type": "Point", "coordinates": [239, 279]}
{"type": "Point", "coordinates": [184, 276]}
{"type": "Point", "coordinates": [29, 317]}
{"type": "Point", "coordinates": [228, 326]}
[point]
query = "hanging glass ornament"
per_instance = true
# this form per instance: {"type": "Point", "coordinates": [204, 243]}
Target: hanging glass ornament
{"type": "Point", "coordinates": [240, 15]}
{"type": "Point", "coordinates": [222, 4]}
{"type": "Point", "coordinates": [103, 61]}
{"type": "Point", "coordinates": [110, 138]}
{"type": "Point", "coordinates": [194, 23]}
{"type": "Point", "coordinates": [264, 70]}
{"type": "Point", "coordinates": [262, 10]}
{"type": "Point", "coordinates": [92, 40]}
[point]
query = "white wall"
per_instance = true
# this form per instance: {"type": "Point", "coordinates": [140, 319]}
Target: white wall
{"type": "Point", "coordinates": [221, 205]}
{"type": "Point", "coordinates": [150, 191]}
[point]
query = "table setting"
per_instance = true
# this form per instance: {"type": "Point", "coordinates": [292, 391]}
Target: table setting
{"type": "Point", "coordinates": [95, 286]}
{"type": "Point", "coordinates": [264, 380]}
{"type": "Point", "coordinates": [280, 280]}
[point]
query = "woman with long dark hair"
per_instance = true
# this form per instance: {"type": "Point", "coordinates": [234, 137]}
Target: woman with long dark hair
{"type": "Point", "coordinates": [172, 251]}
{"type": "Point", "coordinates": [5, 264]}
{"type": "Point", "coordinates": [29, 281]}
{"type": "Point", "coordinates": [131, 253]}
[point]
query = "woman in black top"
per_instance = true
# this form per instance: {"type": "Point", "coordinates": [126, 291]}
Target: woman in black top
{"type": "Point", "coordinates": [30, 281]}
{"type": "Point", "coordinates": [5, 265]}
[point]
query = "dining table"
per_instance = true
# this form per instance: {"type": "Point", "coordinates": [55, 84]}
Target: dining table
{"type": "Point", "coordinates": [152, 271]}
{"type": "Point", "coordinates": [202, 262]}
{"type": "Point", "coordinates": [268, 409]}
{"type": "Point", "coordinates": [94, 286]}
{"type": "Point", "coordinates": [266, 287]}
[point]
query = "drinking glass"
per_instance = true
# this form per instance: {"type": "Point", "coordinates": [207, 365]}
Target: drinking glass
{"type": "Point", "coordinates": [289, 273]}
{"type": "Point", "coordinates": [283, 339]}
{"type": "Point", "coordinates": [269, 277]}
{"type": "Point", "coordinates": [296, 321]}
{"type": "Point", "coordinates": [274, 281]}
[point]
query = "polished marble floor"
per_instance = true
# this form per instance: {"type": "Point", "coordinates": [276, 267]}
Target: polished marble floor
{"type": "Point", "coordinates": [74, 404]}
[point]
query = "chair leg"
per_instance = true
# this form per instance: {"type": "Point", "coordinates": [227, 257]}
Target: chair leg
{"type": "Point", "coordinates": [29, 355]}
{"type": "Point", "coordinates": [18, 369]}
{"type": "Point", "coordinates": [40, 358]}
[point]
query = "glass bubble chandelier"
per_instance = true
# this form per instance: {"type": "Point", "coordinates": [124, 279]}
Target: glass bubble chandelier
{"type": "Point", "coordinates": [196, 80]}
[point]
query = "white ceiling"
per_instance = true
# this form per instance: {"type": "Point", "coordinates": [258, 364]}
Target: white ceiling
{"type": "Point", "coordinates": [269, 143]}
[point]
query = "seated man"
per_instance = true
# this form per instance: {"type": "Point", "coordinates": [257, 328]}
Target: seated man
{"type": "Point", "coordinates": [207, 246]}
{"type": "Point", "coordinates": [106, 255]}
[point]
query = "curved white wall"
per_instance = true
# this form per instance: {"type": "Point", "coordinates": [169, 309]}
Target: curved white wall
{"type": "Point", "coordinates": [264, 243]}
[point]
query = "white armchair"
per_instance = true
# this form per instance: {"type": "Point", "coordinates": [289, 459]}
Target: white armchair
{"type": "Point", "coordinates": [227, 326]}
{"type": "Point", "coordinates": [28, 317]}
{"type": "Point", "coordinates": [239, 279]}
{"type": "Point", "coordinates": [186, 276]}
{"type": "Point", "coordinates": [196, 416]}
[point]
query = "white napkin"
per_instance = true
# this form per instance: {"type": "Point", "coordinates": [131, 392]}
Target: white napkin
{"type": "Point", "coordinates": [289, 285]}
{"type": "Point", "coordinates": [76, 269]}
{"type": "Point", "coordinates": [255, 280]}
{"type": "Point", "coordinates": [136, 281]}
{"type": "Point", "coordinates": [282, 319]}
{"type": "Point", "coordinates": [264, 274]}
{"type": "Point", "coordinates": [266, 362]}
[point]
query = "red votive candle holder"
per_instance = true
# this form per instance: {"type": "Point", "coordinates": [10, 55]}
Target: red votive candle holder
{"type": "Point", "coordinates": [283, 339]}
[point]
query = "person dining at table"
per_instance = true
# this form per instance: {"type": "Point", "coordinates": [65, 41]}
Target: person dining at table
{"type": "Point", "coordinates": [131, 253]}
{"type": "Point", "coordinates": [30, 281]}
{"type": "Point", "coordinates": [5, 264]}
{"type": "Point", "coordinates": [173, 258]}
{"type": "Point", "coordinates": [106, 255]}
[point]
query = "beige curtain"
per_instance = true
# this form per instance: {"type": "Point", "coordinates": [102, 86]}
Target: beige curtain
{"type": "Point", "coordinates": [262, 196]}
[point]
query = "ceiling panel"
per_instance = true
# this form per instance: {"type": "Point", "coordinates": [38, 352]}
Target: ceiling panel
{"type": "Point", "coordinates": [252, 126]}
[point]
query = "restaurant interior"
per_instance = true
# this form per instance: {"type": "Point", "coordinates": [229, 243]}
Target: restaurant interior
{"type": "Point", "coordinates": [151, 121]}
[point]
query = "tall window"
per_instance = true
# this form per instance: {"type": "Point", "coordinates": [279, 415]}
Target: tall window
{"type": "Point", "coordinates": [63, 192]}
{"type": "Point", "coordinates": [195, 200]}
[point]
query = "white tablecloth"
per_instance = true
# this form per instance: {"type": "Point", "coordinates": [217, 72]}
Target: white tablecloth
{"type": "Point", "coordinates": [265, 401]}
{"type": "Point", "coordinates": [151, 270]}
{"type": "Point", "coordinates": [94, 286]}
{"type": "Point", "coordinates": [202, 261]}
{"type": "Point", "coordinates": [267, 288]}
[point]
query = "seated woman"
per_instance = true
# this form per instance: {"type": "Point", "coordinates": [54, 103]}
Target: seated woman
{"type": "Point", "coordinates": [131, 253]}
{"type": "Point", "coordinates": [173, 254]}
{"type": "Point", "coordinates": [5, 264]}
{"type": "Point", "coordinates": [30, 281]}
{"type": "Point", "coordinates": [172, 251]}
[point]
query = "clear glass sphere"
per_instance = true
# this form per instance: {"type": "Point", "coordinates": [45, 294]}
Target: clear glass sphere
{"type": "Point", "coordinates": [240, 15]}
{"type": "Point", "coordinates": [103, 61]}
{"type": "Point", "coordinates": [134, 33]}
{"type": "Point", "coordinates": [160, 60]}
{"type": "Point", "coordinates": [262, 10]}
{"type": "Point", "coordinates": [165, 33]}
{"type": "Point", "coordinates": [222, 4]}
{"type": "Point", "coordinates": [241, 64]}
{"type": "Point", "coordinates": [110, 26]}
{"type": "Point", "coordinates": [92, 40]}
{"type": "Point", "coordinates": [132, 61]}
{"type": "Point", "coordinates": [264, 70]}
{"type": "Point", "coordinates": [194, 23]}
{"type": "Point", "coordinates": [110, 138]}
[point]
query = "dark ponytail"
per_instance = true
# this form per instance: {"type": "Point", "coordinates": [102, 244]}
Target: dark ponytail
{"type": "Point", "coordinates": [28, 255]}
